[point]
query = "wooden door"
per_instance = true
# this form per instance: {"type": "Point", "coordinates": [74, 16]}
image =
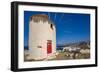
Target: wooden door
{"type": "Point", "coordinates": [49, 46]}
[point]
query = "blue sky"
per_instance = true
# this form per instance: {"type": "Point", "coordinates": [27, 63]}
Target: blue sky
{"type": "Point", "coordinates": [70, 27]}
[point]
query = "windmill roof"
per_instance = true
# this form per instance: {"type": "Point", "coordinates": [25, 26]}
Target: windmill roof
{"type": "Point", "coordinates": [41, 17]}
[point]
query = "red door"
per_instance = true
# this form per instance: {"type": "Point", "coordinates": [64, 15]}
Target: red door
{"type": "Point", "coordinates": [49, 46]}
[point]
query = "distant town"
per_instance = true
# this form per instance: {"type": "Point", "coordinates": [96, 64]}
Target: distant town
{"type": "Point", "coordinates": [78, 50]}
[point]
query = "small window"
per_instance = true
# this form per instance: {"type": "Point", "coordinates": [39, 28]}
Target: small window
{"type": "Point", "coordinates": [39, 46]}
{"type": "Point", "coordinates": [51, 26]}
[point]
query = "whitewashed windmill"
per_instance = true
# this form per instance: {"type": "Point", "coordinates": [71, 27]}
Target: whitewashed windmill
{"type": "Point", "coordinates": [42, 37]}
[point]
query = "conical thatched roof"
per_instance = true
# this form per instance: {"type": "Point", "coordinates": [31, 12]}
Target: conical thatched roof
{"type": "Point", "coordinates": [39, 17]}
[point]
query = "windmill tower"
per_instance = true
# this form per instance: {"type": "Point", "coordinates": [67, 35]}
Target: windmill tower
{"type": "Point", "coordinates": [42, 37]}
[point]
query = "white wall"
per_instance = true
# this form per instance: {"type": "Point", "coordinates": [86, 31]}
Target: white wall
{"type": "Point", "coordinates": [5, 35]}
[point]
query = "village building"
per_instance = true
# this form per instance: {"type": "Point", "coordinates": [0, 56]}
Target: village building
{"type": "Point", "coordinates": [70, 49]}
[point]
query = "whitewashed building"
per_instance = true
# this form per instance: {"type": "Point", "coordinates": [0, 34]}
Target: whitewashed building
{"type": "Point", "coordinates": [85, 51]}
{"type": "Point", "coordinates": [42, 37]}
{"type": "Point", "coordinates": [71, 49]}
